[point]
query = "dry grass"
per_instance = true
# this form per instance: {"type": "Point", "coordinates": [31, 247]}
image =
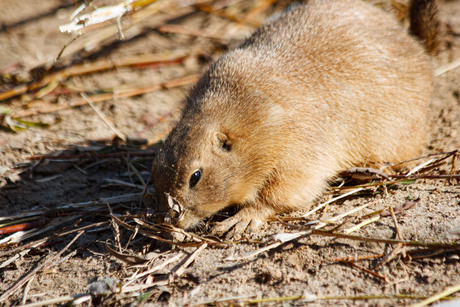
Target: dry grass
{"type": "Point", "coordinates": [18, 230]}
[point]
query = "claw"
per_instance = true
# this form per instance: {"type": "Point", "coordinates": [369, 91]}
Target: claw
{"type": "Point", "coordinates": [223, 227]}
{"type": "Point", "coordinates": [242, 222]}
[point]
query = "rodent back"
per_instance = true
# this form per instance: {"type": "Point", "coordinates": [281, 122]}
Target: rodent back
{"type": "Point", "coordinates": [324, 87]}
{"type": "Point", "coordinates": [346, 66]}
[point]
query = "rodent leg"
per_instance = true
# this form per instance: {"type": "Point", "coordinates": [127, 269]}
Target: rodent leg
{"type": "Point", "coordinates": [249, 218]}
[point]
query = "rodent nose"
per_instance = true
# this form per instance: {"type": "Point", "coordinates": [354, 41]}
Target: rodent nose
{"type": "Point", "coordinates": [175, 208]}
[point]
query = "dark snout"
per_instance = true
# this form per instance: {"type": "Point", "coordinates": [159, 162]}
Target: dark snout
{"type": "Point", "coordinates": [165, 207]}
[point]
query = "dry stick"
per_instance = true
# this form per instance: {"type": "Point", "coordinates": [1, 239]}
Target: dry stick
{"type": "Point", "coordinates": [171, 228]}
{"type": "Point", "coordinates": [420, 166]}
{"type": "Point", "coordinates": [107, 96]}
{"type": "Point", "coordinates": [179, 29]}
{"type": "Point", "coordinates": [308, 298]}
{"type": "Point", "coordinates": [438, 296]}
{"type": "Point", "coordinates": [414, 177]}
{"type": "Point", "coordinates": [375, 274]}
{"type": "Point", "coordinates": [86, 204]}
{"type": "Point", "coordinates": [23, 235]}
{"type": "Point", "coordinates": [120, 135]}
{"type": "Point", "coordinates": [447, 154]}
{"type": "Point", "coordinates": [154, 269]}
{"type": "Point", "coordinates": [389, 241]}
{"type": "Point", "coordinates": [48, 261]}
{"type": "Point", "coordinates": [429, 252]}
{"type": "Point", "coordinates": [133, 169]}
{"type": "Point", "coordinates": [401, 178]}
{"type": "Point", "coordinates": [399, 248]}
{"type": "Point", "coordinates": [98, 66]}
{"type": "Point", "coordinates": [170, 278]}
{"type": "Point", "coordinates": [137, 153]}
{"type": "Point", "coordinates": [181, 269]}
{"type": "Point", "coordinates": [24, 252]}
{"type": "Point", "coordinates": [89, 42]}
{"type": "Point", "coordinates": [57, 300]}
{"type": "Point", "coordinates": [111, 13]}
{"type": "Point", "coordinates": [22, 226]}
{"type": "Point", "coordinates": [362, 224]}
{"type": "Point", "coordinates": [106, 223]}
{"type": "Point", "coordinates": [24, 247]}
{"type": "Point", "coordinates": [453, 163]}
{"type": "Point", "coordinates": [286, 237]}
{"type": "Point", "coordinates": [395, 221]}
{"type": "Point", "coordinates": [356, 258]}
{"type": "Point", "coordinates": [115, 229]}
{"type": "Point", "coordinates": [209, 9]}
{"type": "Point", "coordinates": [338, 217]}
{"type": "Point", "coordinates": [159, 238]}
{"type": "Point", "coordinates": [332, 200]}
{"type": "Point", "coordinates": [26, 290]}
{"type": "Point", "coordinates": [445, 68]}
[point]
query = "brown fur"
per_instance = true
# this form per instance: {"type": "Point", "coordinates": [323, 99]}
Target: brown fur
{"type": "Point", "coordinates": [326, 86]}
{"type": "Point", "coordinates": [424, 23]}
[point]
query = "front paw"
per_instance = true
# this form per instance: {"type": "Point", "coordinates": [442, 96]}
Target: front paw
{"type": "Point", "coordinates": [235, 226]}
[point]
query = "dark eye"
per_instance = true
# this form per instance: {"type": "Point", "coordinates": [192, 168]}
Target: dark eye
{"type": "Point", "coordinates": [196, 176]}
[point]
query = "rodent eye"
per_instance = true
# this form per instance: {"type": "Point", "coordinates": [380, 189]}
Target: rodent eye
{"type": "Point", "coordinates": [196, 176]}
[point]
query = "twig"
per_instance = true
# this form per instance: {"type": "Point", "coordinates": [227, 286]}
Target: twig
{"type": "Point", "coordinates": [26, 290]}
{"type": "Point", "coordinates": [94, 155]}
{"type": "Point", "coordinates": [375, 274]}
{"type": "Point", "coordinates": [407, 205]}
{"type": "Point", "coordinates": [159, 238]}
{"type": "Point", "coordinates": [362, 224]}
{"type": "Point", "coordinates": [399, 248]}
{"type": "Point", "coordinates": [23, 235]}
{"type": "Point", "coordinates": [115, 229]}
{"type": "Point", "coordinates": [99, 66]}
{"type": "Point", "coordinates": [178, 271]}
{"type": "Point", "coordinates": [310, 298]}
{"type": "Point", "coordinates": [446, 155]}
{"type": "Point", "coordinates": [395, 221]}
{"type": "Point", "coordinates": [209, 9]}
{"type": "Point", "coordinates": [445, 68]}
{"type": "Point", "coordinates": [120, 135]}
{"type": "Point", "coordinates": [438, 296]}
{"type": "Point", "coordinates": [179, 29]}
{"type": "Point", "coordinates": [131, 28]}
{"type": "Point", "coordinates": [286, 237]}
{"type": "Point", "coordinates": [356, 258]}
{"type": "Point", "coordinates": [57, 300]}
{"type": "Point", "coordinates": [419, 167]}
{"type": "Point", "coordinates": [24, 252]}
{"type": "Point", "coordinates": [338, 217]}
{"type": "Point", "coordinates": [22, 226]}
{"type": "Point", "coordinates": [181, 269]}
{"type": "Point", "coordinates": [154, 269]}
{"type": "Point", "coordinates": [389, 241]}
{"type": "Point", "coordinates": [332, 200]}
{"type": "Point", "coordinates": [48, 261]}
{"type": "Point", "coordinates": [107, 96]}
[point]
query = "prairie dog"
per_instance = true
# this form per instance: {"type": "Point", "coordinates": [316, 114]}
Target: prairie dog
{"type": "Point", "coordinates": [324, 87]}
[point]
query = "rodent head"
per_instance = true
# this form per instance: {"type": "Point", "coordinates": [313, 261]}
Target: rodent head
{"type": "Point", "coordinates": [192, 173]}
{"type": "Point", "coordinates": [217, 155]}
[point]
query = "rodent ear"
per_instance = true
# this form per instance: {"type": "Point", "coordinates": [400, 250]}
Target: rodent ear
{"type": "Point", "coordinates": [221, 140]}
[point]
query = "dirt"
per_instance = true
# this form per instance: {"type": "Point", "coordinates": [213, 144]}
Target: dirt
{"type": "Point", "coordinates": [30, 38]}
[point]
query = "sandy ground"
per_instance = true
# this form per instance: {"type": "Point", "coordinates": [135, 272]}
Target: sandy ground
{"type": "Point", "coordinates": [29, 37]}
